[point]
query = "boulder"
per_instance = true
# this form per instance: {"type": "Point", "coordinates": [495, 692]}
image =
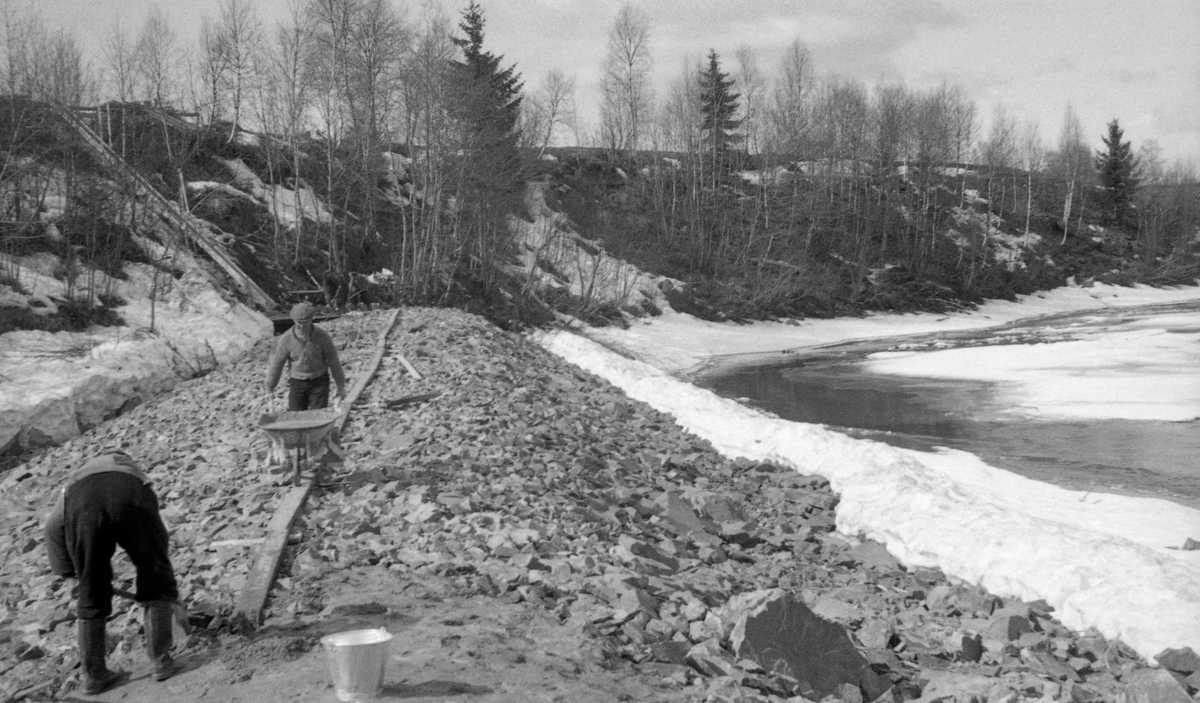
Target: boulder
{"type": "Point", "coordinates": [874, 555]}
{"type": "Point", "coordinates": [680, 516]}
{"type": "Point", "coordinates": [1185, 660]}
{"type": "Point", "coordinates": [1152, 686]}
{"type": "Point", "coordinates": [971, 648]}
{"type": "Point", "coordinates": [635, 600]}
{"type": "Point", "coordinates": [1007, 627]}
{"type": "Point", "coordinates": [724, 509]}
{"type": "Point", "coordinates": [974, 601]}
{"type": "Point", "coordinates": [775, 629]}
{"type": "Point", "coordinates": [949, 685]}
{"type": "Point", "coordinates": [670, 652]}
{"type": "Point", "coordinates": [1050, 667]}
{"type": "Point", "coordinates": [875, 633]}
{"type": "Point", "coordinates": [636, 551]}
{"type": "Point", "coordinates": [709, 659]}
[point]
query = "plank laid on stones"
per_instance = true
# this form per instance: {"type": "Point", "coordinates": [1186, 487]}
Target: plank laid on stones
{"type": "Point", "coordinates": [258, 582]}
{"type": "Point", "coordinates": [357, 389]}
{"type": "Point", "coordinates": [253, 595]}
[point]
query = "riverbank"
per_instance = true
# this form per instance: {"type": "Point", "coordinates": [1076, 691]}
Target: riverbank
{"type": "Point", "coordinates": [946, 508]}
{"type": "Point", "coordinates": [687, 347]}
{"type": "Point", "coordinates": [531, 532]}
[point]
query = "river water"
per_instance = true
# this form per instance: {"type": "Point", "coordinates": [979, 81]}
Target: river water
{"type": "Point", "coordinates": [830, 387]}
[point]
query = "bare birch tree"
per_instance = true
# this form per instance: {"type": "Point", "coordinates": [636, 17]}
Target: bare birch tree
{"type": "Point", "coordinates": [429, 130]}
{"type": "Point", "coordinates": [39, 62]}
{"type": "Point", "coordinates": [241, 37]}
{"type": "Point", "coordinates": [58, 71]}
{"type": "Point", "coordinates": [625, 84]}
{"type": "Point", "coordinates": [999, 154]}
{"type": "Point", "coordinates": [214, 64]}
{"type": "Point", "coordinates": [157, 60]}
{"type": "Point", "coordinates": [1072, 162]}
{"type": "Point", "coordinates": [19, 26]}
{"type": "Point", "coordinates": [751, 85]}
{"type": "Point", "coordinates": [379, 40]}
{"type": "Point", "coordinates": [790, 115]}
{"type": "Point", "coordinates": [963, 127]}
{"type": "Point", "coordinates": [549, 107]}
{"type": "Point", "coordinates": [119, 56]}
{"type": "Point", "coordinates": [1033, 160]}
{"type": "Point", "coordinates": [894, 115]}
{"type": "Point", "coordinates": [283, 102]}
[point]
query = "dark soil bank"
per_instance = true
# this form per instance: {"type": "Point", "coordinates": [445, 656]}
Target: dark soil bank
{"type": "Point", "coordinates": [528, 534]}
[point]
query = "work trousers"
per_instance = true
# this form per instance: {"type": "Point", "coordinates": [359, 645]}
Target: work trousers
{"type": "Point", "coordinates": [308, 393]}
{"type": "Point", "coordinates": [101, 512]}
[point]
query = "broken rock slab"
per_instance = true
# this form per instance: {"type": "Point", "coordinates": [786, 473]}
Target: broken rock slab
{"type": "Point", "coordinates": [955, 686]}
{"type": "Point", "coordinates": [874, 555]}
{"type": "Point", "coordinates": [1152, 686]}
{"type": "Point", "coordinates": [680, 516]}
{"type": "Point", "coordinates": [1185, 660]}
{"type": "Point", "coordinates": [775, 629]}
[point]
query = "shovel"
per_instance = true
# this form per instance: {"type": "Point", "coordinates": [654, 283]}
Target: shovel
{"type": "Point", "coordinates": [179, 620]}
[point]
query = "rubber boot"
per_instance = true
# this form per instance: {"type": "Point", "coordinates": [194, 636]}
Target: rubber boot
{"type": "Point", "coordinates": [159, 638]}
{"type": "Point", "coordinates": [97, 678]}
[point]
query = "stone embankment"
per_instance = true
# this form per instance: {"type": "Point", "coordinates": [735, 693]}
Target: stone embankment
{"type": "Point", "coordinates": [530, 533]}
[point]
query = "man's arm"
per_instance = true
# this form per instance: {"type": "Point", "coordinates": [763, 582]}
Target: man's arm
{"type": "Point", "coordinates": [334, 364]}
{"type": "Point", "coordinates": [56, 541]}
{"type": "Point", "coordinates": [275, 366]}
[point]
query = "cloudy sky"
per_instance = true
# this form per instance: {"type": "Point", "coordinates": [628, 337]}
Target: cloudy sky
{"type": "Point", "coordinates": [1138, 62]}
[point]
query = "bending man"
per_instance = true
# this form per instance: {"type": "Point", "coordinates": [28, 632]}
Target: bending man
{"type": "Point", "coordinates": [312, 358]}
{"type": "Point", "coordinates": [105, 503]}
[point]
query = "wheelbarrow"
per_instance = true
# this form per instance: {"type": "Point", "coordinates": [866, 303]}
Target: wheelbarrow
{"type": "Point", "coordinates": [299, 431]}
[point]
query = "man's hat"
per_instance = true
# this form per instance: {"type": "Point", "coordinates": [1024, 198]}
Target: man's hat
{"type": "Point", "coordinates": [302, 311]}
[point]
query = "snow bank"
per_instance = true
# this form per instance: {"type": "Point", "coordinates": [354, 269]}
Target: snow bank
{"type": "Point", "coordinates": [1101, 561]}
{"type": "Point", "coordinates": [53, 386]}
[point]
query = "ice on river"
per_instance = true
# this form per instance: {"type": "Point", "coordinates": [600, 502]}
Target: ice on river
{"type": "Point", "coordinates": [1105, 561]}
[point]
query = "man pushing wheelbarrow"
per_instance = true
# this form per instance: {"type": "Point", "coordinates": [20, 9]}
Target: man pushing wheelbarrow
{"type": "Point", "coordinates": [309, 352]}
{"type": "Point", "coordinates": [312, 359]}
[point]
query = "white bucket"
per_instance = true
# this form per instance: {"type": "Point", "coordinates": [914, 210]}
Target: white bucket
{"type": "Point", "coordinates": [357, 660]}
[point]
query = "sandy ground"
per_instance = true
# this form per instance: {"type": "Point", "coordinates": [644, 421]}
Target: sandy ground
{"type": "Point", "coordinates": [445, 645]}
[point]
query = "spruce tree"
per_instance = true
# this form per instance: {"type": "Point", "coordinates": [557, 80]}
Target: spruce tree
{"type": "Point", "coordinates": [485, 102]}
{"type": "Point", "coordinates": [486, 98]}
{"type": "Point", "coordinates": [718, 107]}
{"type": "Point", "coordinates": [1117, 171]}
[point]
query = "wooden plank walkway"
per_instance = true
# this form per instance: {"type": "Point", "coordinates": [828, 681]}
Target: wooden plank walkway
{"type": "Point", "coordinates": [253, 596]}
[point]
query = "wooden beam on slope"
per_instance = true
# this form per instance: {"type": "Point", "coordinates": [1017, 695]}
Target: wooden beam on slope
{"type": "Point", "coordinates": [168, 210]}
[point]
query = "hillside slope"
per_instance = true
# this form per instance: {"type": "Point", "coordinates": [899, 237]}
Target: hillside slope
{"type": "Point", "coordinates": [115, 242]}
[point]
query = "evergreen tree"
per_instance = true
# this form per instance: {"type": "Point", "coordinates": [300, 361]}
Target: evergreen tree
{"type": "Point", "coordinates": [485, 103]}
{"type": "Point", "coordinates": [1117, 170]}
{"type": "Point", "coordinates": [487, 98]}
{"type": "Point", "coordinates": [718, 107]}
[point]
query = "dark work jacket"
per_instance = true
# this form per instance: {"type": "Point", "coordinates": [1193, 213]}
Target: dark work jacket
{"type": "Point", "coordinates": [55, 529]}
